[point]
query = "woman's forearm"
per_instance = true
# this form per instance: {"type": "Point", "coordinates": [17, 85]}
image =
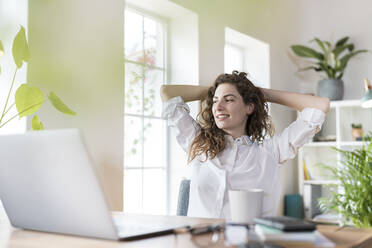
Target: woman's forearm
{"type": "Point", "coordinates": [187, 92]}
{"type": "Point", "coordinates": [296, 100]}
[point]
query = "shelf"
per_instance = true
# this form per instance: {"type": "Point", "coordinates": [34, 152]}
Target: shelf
{"type": "Point", "coordinates": [337, 133]}
{"type": "Point", "coordinates": [334, 143]}
{"type": "Point", "coordinates": [353, 143]}
{"type": "Point", "coordinates": [317, 144]}
{"type": "Point", "coordinates": [345, 103]}
{"type": "Point", "coordinates": [321, 182]}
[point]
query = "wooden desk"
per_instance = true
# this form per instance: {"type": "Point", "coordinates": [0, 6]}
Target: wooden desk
{"type": "Point", "coordinates": [11, 237]}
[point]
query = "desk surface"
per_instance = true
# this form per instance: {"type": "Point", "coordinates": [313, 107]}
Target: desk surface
{"type": "Point", "coordinates": [11, 237]}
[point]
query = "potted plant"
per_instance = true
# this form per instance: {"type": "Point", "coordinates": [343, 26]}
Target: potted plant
{"type": "Point", "coordinates": [28, 99]}
{"type": "Point", "coordinates": [332, 60]}
{"type": "Point", "coordinates": [354, 197]}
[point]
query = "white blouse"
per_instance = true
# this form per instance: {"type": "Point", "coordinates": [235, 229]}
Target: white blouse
{"type": "Point", "coordinates": [242, 165]}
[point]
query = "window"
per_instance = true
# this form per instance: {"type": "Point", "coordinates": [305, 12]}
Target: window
{"type": "Point", "coordinates": [234, 58]}
{"type": "Point", "coordinates": [246, 53]}
{"type": "Point", "coordinates": [145, 169]}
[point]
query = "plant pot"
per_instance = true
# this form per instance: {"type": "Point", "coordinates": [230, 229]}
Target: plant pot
{"type": "Point", "coordinates": [331, 88]}
{"type": "Point", "coordinates": [356, 133]}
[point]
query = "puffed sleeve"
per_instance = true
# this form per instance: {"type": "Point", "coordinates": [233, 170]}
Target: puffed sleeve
{"type": "Point", "coordinates": [284, 145]}
{"type": "Point", "coordinates": [177, 112]}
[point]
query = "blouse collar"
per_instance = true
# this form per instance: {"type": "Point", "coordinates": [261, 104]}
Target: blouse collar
{"type": "Point", "coordinates": [244, 139]}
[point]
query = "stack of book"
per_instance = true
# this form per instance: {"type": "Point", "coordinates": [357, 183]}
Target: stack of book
{"type": "Point", "coordinates": [269, 234]}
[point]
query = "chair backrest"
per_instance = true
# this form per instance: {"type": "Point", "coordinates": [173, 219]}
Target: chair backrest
{"type": "Point", "coordinates": [183, 197]}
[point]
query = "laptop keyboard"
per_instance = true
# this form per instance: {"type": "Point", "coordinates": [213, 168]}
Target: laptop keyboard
{"type": "Point", "coordinates": [132, 228]}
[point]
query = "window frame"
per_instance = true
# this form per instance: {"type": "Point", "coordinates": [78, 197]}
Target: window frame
{"type": "Point", "coordinates": [165, 74]}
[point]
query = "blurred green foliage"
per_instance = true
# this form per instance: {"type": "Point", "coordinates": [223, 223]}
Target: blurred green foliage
{"type": "Point", "coordinates": [28, 99]}
{"type": "Point", "coordinates": [354, 198]}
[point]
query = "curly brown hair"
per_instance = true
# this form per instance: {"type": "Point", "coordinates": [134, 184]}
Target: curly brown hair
{"type": "Point", "coordinates": [211, 139]}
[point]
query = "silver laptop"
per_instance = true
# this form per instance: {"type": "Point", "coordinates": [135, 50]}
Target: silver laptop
{"type": "Point", "coordinates": [48, 183]}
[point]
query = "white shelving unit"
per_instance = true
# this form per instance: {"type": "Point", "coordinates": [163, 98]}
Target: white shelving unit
{"type": "Point", "coordinates": [338, 123]}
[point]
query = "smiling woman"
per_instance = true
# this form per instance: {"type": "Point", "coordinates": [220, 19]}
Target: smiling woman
{"type": "Point", "coordinates": [232, 146]}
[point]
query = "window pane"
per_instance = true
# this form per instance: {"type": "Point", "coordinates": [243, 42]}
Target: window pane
{"type": "Point", "coordinates": [133, 191]}
{"type": "Point", "coordinates": [154, 42]}
{"type": "Point", "coordinates": [154, 142]}
{"type": "Point", "coordinates": [154, 201]}
{"type": "Point", "coordinates": [133, 88]}
{"type": "Point", "coordinates": [133, 36]}
{"type": "Point", "coordinates": [152, 103]}
{"type": "Point", "coordinates": [132, 141]}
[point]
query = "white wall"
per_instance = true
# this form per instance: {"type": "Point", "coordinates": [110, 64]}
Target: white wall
{"type": "Point", "coordinates": [77, 51]}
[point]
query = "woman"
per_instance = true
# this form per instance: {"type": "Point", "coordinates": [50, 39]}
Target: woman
{"type": "Point", "coordinates": [228, 147]}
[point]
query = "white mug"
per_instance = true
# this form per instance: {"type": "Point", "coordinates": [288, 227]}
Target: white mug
{"type": "Point", "coordinates": [245, 205]}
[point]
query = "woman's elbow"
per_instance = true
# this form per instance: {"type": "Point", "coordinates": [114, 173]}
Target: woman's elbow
{"type": "Point", "coordinates": [164, 93]}
{"type": "Point", "coordinates": [325, 105]}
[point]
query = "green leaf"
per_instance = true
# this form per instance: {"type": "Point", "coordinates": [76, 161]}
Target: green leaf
{"type": "Point", "coordinates": [342, 41]}
{"type": "Point", "coordinates": [1, 49]}
{"type": "Point", "coordinates": [28, 100]}
{"type": "Point", "coordinates": [304, 51]}
{"type": "Point", "coordinates": [320, 44]}
{"type": "Point", "coordinates": [59, 105]}
{"type": "Point", "coordinates": [20, 48]}
{"type": "Point", "coordinates": [339, 49]}
{"type": "Point", "coordinates": [354, 175]}
{"type": "Point", "coordinates": [307, 68]}
{"type": "Point", "coordinates": [328, 44]}
{"type": "Point", "coordinates": [1, 52]}
{"type": "Point", "coordinates": [351, 47]}
{"type": "Point", "coordinates": [325, 68]}
{"type": "Point", "coordinates": [37, 124]}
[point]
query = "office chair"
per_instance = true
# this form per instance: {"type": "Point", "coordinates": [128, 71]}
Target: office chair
{"type": "Point", "coordinates": [183, 197]}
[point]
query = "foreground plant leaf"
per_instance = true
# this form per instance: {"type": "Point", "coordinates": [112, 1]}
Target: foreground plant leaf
{"type": "Point", "coordinates": [1, 52]}
{"type": "Point", "coordinates": [28, 100]}
{"type": "Point", "coordinates": [1, 49]}
{"type": "Point", "coordinates": [37, 124]}
{"type": "Point", "coordinates": [59, 105]}
{"type": "Point", "coordinates": [20, 48]}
